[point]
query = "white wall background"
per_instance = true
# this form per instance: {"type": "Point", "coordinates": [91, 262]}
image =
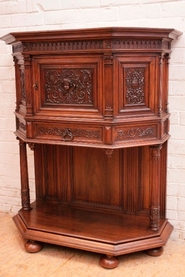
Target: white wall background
{"type": "Point", "coordinates": [21, 15]}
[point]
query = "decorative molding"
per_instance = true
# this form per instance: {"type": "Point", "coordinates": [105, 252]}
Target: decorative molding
{"type": "Point", "coordinates": [107, 44]}
{"type": "Point", "coordinates": [62, 46]}
{"type": "Point", "coordinates": [135, 133]}
{"type": "Point", "coordinates": [68, 86]}
{"type": "Point", "coordinates": [137, 44]}
{"type": "Point", "coordinates": [93, 44]}
{"type": "Point", "coordinates": [134, 85]}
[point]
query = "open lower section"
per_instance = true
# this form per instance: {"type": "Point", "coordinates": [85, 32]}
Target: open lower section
{"type": "Point", "coordinates": [88, 177]}
{"type": "Point", "coordinates": [90, 230]}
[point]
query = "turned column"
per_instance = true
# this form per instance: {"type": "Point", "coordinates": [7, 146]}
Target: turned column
{"type": "Point", "coordinates": [25, 194]}
{"type": "Point", "coordinates": [155, 187]}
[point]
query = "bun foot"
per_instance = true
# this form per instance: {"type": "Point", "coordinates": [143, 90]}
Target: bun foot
{"type": "Point", "coordinates": [155, 252]}
{"type": "Point", "coordinates": [109, 262]}
{"type": "Point", "coordinates": [33, 246]}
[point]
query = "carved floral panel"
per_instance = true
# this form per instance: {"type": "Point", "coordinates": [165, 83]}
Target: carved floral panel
{"type": "Point", "coordinates": [134, 85]}
{"type": "Point", "coordinates": [68, 134]}
{"type": "Point", "coordinates": [68, 86]}
{"type": "Point", "coordinates": [136, 133]}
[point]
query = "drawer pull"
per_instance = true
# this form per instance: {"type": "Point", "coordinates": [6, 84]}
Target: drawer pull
{"type": "Point", "coordinates": [67, 135]}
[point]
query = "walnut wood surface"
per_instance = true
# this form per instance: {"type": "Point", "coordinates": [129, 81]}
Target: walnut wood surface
{"type": "Point", "coordinates": [93, 106]}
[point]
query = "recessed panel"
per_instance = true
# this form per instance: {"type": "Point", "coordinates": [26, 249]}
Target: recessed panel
{"type": "Point", "coordinates": [97, 178]}
{"type": "Point", "coordinates": [137, 87]}
{"type": "Point", "coordinates": [68, 86]}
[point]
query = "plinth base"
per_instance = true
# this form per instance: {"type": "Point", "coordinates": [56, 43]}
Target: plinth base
{"type": "Point", "coordinates": [109, 234]}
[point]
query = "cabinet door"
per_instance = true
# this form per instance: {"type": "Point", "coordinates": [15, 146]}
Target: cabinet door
{"type": "Point", "coordinates": [137, 84]}
{"type": "Point", "coordinates": [68, 86]}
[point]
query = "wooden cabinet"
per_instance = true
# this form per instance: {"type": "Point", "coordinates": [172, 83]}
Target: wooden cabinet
{"type": "Point", "coordinates": [93, 106]}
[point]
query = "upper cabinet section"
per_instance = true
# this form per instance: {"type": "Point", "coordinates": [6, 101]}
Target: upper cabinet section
{"type": "Point", "coordinates": [103, 86]}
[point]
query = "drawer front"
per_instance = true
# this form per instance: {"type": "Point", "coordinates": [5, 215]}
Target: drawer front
{"type": "Point", "coordinates": [136, 132]}
{"type": "Point", "coordinates": [68, 133]}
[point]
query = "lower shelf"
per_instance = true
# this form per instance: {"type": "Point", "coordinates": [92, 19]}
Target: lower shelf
{"type": "Point", "coordinates": [110, 234]}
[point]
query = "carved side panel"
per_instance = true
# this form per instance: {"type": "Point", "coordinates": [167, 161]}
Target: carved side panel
{"type": "Point", "coordinates": [68, 86]}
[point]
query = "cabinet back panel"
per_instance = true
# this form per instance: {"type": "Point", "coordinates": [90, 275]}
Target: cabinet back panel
{"type": "Point", "coordinates": [87, 176]}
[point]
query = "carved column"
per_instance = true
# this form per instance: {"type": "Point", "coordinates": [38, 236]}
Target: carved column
{"type": "Point", "coordinates": [108, 80]}
{"type": "Point", "coordinates": [28, 85]}
{"type": "Point", "coordinates": [155, 187]}
{"type": "Point", "coordinates": [160, 107]}
{"type": "Point", "coordinates": [25, 194]}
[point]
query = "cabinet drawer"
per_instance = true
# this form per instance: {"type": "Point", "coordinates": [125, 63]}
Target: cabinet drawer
{"type": "Point", "coordinates": [136, 132]}
{"type": "Point", "coordinates": [68, 132]}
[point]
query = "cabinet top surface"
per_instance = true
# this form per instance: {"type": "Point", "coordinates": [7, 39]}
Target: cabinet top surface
{"type": "Point", "coordinates": [89, 33]}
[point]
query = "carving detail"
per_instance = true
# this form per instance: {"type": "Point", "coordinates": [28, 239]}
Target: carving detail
{"type": "Point", "coordinates": [62, 46]}
{"type": "Point", "coordinates": [64, 133]}
{"type": "Point", "coordinates": [156, 152]}
{"type": "Point", "coordinates": [135, 86]}
{"type": "Point", "coordinates": [93, 44]}
{"type": "Point", "coordinates": [23, 91]}
{"type": "Point", "coordinates": [22, 126]}
{"type": "Point", "coordinates": [154, 218]}
{"type": "Point", "coordinates": [138, 44]}
{"type": "Point", "coordinates": [67, 135]}
{"type": "Point", "coordinates": [25, 196]}
{"type": "Point", "coordinates": [134, 133]}
{"type": "Point", "coordinates": [109, 152]}
{"type": "Point", "coordinates": [68, 86]}
{"type": "Point", "coordinates": [31, 146]}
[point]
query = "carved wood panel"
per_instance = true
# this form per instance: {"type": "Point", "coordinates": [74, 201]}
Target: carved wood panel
{"type": "Point", "coordinates": [68, 132]}
{"type": "Point", "coordinates": [137, 132]}
{"type": "Point", "coordinates": [135, 81]}
{"type": "Point", "coordinates": [136, 88]}
{"type": "Point", "coordinates": [68, 85]}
